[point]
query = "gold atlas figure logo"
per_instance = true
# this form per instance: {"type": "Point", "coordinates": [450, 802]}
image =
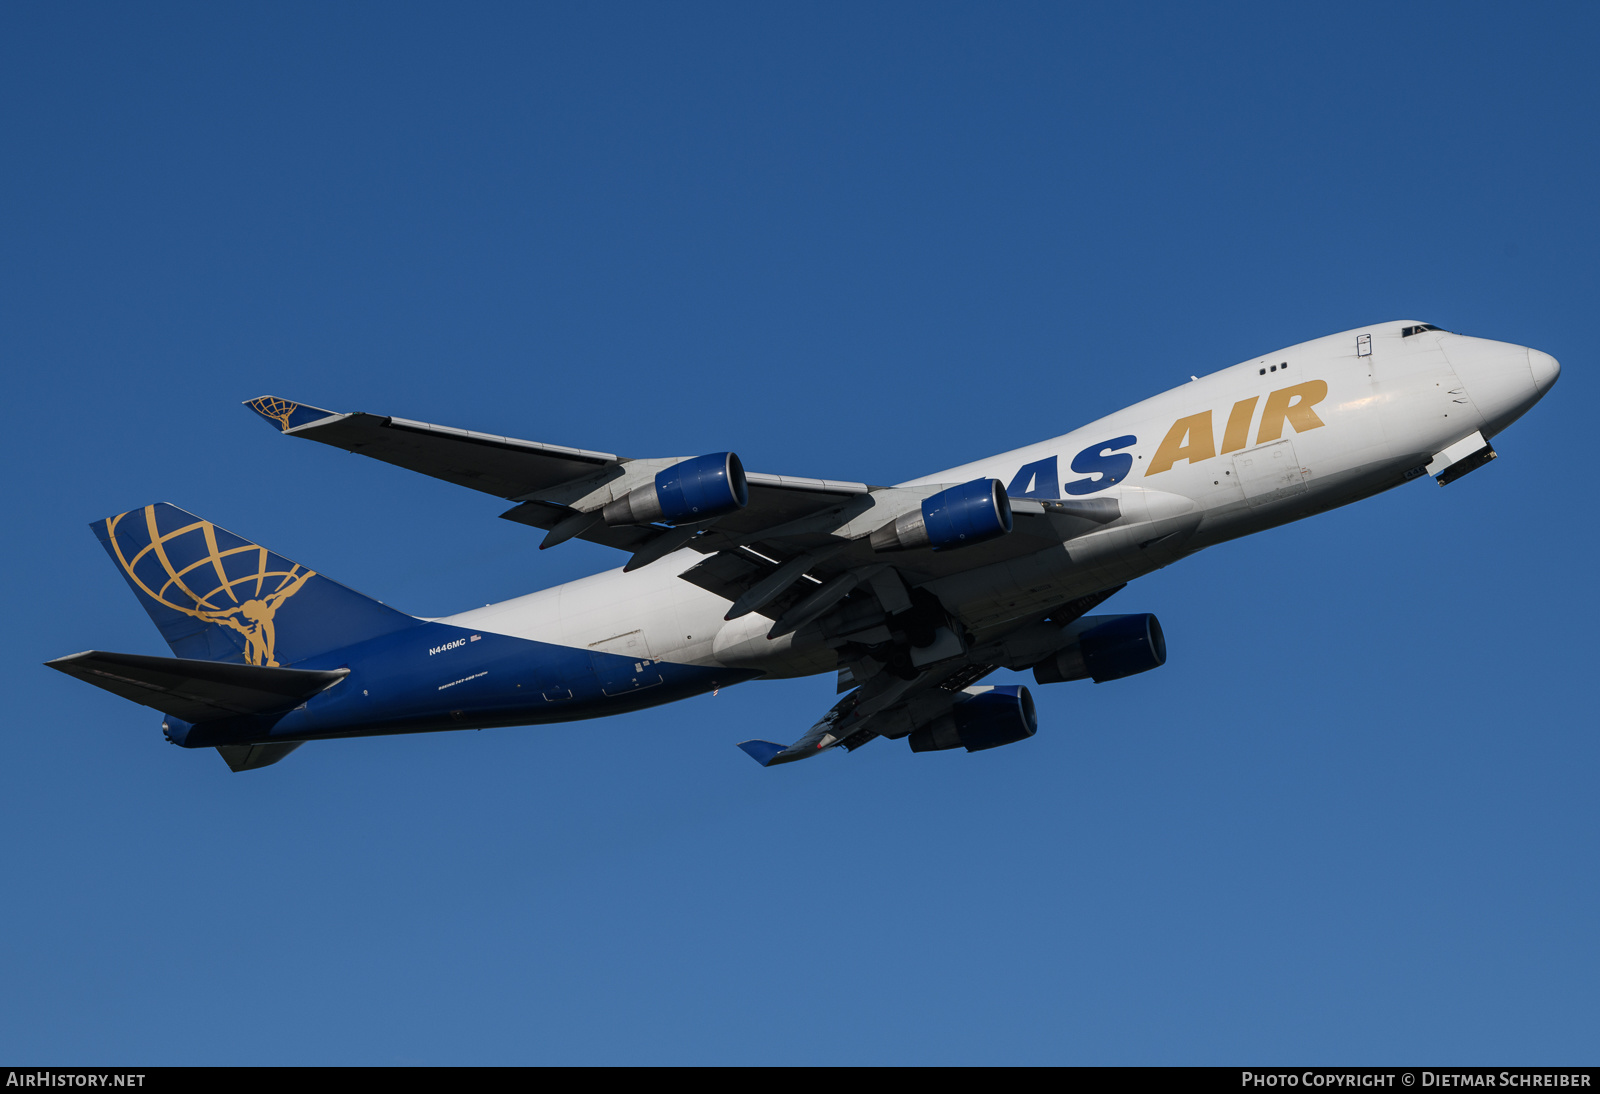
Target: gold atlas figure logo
{"type": "Point", "coordinates": [279, 410]}
{"type": "Point", "coordinates": [262, 590]}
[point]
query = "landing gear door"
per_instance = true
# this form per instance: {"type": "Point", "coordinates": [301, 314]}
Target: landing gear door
{"type": "Point", "coordinates": [1269, 473]}
{"type": "Point", "coordinates": [624, 663]}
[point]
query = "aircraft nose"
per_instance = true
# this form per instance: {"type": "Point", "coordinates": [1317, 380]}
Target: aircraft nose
{"type": "Point", "coordinates": [1546, 370]}
{"type": "Point", "coordinates": [1503, 378]}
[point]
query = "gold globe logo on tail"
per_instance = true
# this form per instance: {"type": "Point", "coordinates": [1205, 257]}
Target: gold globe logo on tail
{"type": "Point", "coordinates": [246, 603]}
{"type": "Point", "coordinates": [279, 410]}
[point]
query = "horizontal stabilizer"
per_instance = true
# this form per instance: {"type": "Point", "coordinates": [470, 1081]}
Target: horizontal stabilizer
{"type": "Point", "coordinates": [198, 691]}
{"type": "Point", "coordinates": [250, 757]}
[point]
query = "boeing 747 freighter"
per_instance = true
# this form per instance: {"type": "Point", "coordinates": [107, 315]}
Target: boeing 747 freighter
{"type": "Point", "coordinates": [911, 594]}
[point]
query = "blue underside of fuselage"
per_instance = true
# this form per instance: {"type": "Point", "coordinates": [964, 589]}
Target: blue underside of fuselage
{"type": "Point", "coordinates": [436, 676]}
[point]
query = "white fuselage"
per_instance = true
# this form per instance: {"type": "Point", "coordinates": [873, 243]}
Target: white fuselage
{"type": "Point", "coordinates": [1266, 441]}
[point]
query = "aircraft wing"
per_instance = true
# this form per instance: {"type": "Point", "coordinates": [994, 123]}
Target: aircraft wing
{"type": "Point", "coordinates": [895, 705]}
{"type": "Point", "coordinates": [543, 478]}
{"type": "Point", "coordinates": [866, 712]}
{"type": "Point", "coordinates": [503, 466]}
{"type": "Point", "coordinates": [792, 552]}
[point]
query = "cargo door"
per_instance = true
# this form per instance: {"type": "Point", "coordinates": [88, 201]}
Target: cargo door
{"type": "Point", "coordinates": [566, 675]}
{"type": "Point", "coordinates": [1269, 473]}
{"type": "Point", "coordinates": [624, 663]}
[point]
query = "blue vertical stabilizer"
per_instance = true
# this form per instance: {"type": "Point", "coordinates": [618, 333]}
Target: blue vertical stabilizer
{"type": "Point", "coordinates": [218, 597]}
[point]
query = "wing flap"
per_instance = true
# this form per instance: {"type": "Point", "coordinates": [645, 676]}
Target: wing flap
{"type": "Point", "coordinates": [731, 574]}
{"type": "Point", "coordinates": [625, 537]}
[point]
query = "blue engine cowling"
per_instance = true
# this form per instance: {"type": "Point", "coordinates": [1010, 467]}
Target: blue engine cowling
{"type": "Point", "coordinates": [971, 513]}
{"type": "Point", "coordinates": [1122, 645]}
{"type": "Point", "coordinates": [706, 486]}
{"type": "Point", "coordinates": [998, 716]}
{"type": "Point", "coordinates": [688, 491]}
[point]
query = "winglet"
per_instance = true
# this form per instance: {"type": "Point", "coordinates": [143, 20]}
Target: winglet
{"type": "Point", "coordinates": [761, 752]}
{"type": "Point", "coordinates": [286, 415]}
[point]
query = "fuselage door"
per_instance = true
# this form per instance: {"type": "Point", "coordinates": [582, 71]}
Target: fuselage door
{"type": "Point", "coordinates": [566, 675]}
{"type": "Point", "coordinates": [624, 663]}
{"type": "Point", "coordinates": [1269, 472]}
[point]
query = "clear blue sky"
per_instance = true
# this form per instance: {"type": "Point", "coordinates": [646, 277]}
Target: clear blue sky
{"type": "Point", "coordinates": [1352, 820]}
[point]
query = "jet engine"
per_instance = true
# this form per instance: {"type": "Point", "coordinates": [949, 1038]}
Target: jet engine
{"type": "Point", "coordinates": [993, 717]}
{"type": "Point", "coordinates": [690, 490]}
{"type": "Point", "coordinates": [958, 517]}
{"type": "Point", "coordinates": [1120, 646]}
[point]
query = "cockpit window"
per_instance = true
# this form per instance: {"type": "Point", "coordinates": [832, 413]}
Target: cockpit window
{"type": "Point", "coordinates": [1407, 332]}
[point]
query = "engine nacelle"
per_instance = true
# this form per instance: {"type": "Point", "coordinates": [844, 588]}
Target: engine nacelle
{"type": "Point", "coordinates": [688, 491]}
{"type": "Point", "coordinates": [958, 517]}
{"type": "Point", "coordinates": [993, 717]}
{"type": "Point", "coordinates": [1120, 646]}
